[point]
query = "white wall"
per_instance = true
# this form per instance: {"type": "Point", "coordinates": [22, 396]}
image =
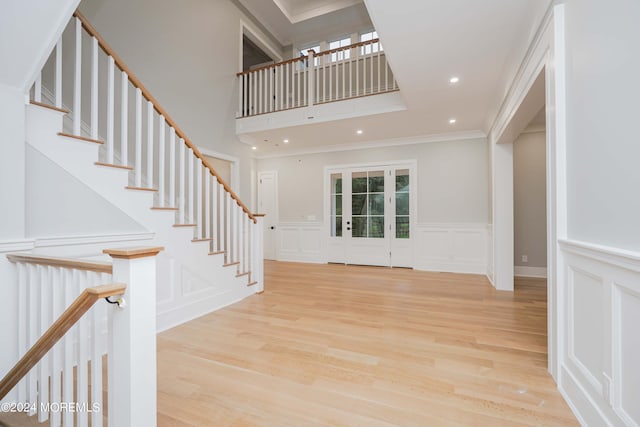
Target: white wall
{"type": "Point", "coordinates": [187, 54]}
{"type": "Point", "coordinates": [601, 255]}
{"type": "Point", "coordinates": [602, 103]}
{"type": "Point", "coordinates": [58, 204]}
{"type": "Point", "coordinates": [529, 200]}
{"type": "Point", "coordinates": [452, 179]}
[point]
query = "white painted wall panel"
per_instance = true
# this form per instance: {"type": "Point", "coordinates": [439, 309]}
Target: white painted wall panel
{"type": "Point", "coordinates": [586, 309]}
{"type": "Point", "coordinates": [629, 340]}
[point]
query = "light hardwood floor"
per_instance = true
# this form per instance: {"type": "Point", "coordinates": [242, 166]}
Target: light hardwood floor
{"type": "Point", "coordinates": [334, 345]}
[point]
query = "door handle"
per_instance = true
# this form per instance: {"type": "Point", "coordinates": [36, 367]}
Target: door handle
{"type": "Point", "coordinates": [348, 228]}
{"type": "Point", "coordinates": [272, 227]}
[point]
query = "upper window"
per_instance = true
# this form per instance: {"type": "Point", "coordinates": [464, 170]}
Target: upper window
{"type": "Point", "coordinates": [371, 47]}
{"type": "Point", "coordinates": [342, 54]}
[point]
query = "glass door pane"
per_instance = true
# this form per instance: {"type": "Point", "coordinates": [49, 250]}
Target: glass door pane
{"type": "Point", "coordinates": [402, 204]}
{"type": "Point", "coordinates": [336, 205]}
{"type": "Point", "coordinates": [367, 204]}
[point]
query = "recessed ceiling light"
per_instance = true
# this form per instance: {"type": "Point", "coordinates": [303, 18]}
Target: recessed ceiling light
{"type": "Point", "coordinates": [454, 80]}
{"type": "Point", "coordinates": [452, 121]}
{"type": "Point", "coordinates": [286, 141]}
{"type": "Point", "coordinates": [254, 148]}
{"type": "Point", "coordinates": [359, 131]}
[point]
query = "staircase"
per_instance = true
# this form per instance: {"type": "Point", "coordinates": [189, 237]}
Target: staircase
{"type": "Point", "coordinates": [103, 127]}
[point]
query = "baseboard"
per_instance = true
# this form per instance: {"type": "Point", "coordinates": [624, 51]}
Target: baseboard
{"type": "Point", "coordinates": [453, 267]}
{"type": "Point", "coordinates": [534, 272]}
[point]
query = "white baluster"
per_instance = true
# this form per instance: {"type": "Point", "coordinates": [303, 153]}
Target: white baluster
{"type": "Point", "coordinates": [191, 189]}
{"type": "Point", "coordinates": [181, 189]}
{"type": "Point", "coordinates": [287, 94]}
{"type": "Point", "coordinates": [378, 90]}
{"type": "Point", "coordinates": [97, 346]}
{"type": "Point", "coordinates": [386, 73]}
{"type": "Point", "coordinates": [124, 119]}
{"type": "Point", "coordinates": [240, 78]}
{"type": "Point", "coordinates": [57, 307]}
{"type": "Point", "coordinates": [110, 109]}
{"type": "Point", "coordinates": [215, 205]}
{"type": "Point", "coordinates": [94, 88]}
{"type": "Point", "coordinates": [44, 314]}
{"type": "Point", "coordinates": [37, 88]}
{"type": "Point", "coordinates": [250, 247]}
{"type": "Point", "coordinates": [149, 145]}
{"type": "Point", "coordinates": [33, 297]}
{"type": "Point", "coordinates": [161, 162]}
{"type": "Point", "coordinates": [371, 72]}
{"type": "Point", "coordinates": [68, 359]}
{"type": "Point", "coordinates": [305, 74]}
{"type": "Point", "coordinates": [23, 313]}
{"type": "Point", "coordinates": [138, 141]}
{"type": "Point", "coordinates": [344, 75]}
{"type": "Point", "coordinates": [282, 91]}
{"type": "Point", "coordinates": [207, 204]}
{"type": "Point", "coordinates": [251, 84]}
{"type": "Point", "coordinates": [237, 232]}
{"type": "Point", "coordinates": [227, 227]}
{"type": "Point", "coordinates": [270, 75]}
{"type": "Point", "coordinates": [259, 99]}
{"type": "Point", "coordinates": [172, 167]}
{"type": "Point", "coordinates": [77, 80]}
{"type": "Point", "coordinates": [245, 95]}
{"type": "Point", "coordinates": [82, 387]}
{"type": "Point", "coordinates": [331, 64]}
{"type": "Point", "coordinates": [198, 196]}
{"type": "Point", "coordinates": [351, 77]}
{"type": "Point", "coordinates": [58, 76]}
{"type": "Point", "coordinates": [358, 76]}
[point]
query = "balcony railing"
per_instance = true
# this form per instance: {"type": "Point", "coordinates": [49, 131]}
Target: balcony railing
{"type": "Point", "coordinates": [360, 69]}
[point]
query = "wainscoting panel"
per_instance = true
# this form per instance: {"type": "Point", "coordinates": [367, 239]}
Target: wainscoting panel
{"type": "Point", "coordinates": [457, 248]}
{"type": "Point", "coordinates": [600, 372]}
{"type": "Point", "coordinates": [301, 242]}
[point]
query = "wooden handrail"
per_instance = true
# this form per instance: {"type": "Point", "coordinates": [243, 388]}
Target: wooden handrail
{"type": "Point", "coordinates": [76, 264]}
{"type": "Point", "coordinates": [156, 105]}
{"type": "Point", "coordinates": [304, 57]}
{"type": "Point", "coordinates": [71, 315]}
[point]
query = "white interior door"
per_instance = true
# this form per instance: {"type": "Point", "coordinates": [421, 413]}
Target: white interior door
{"type": "Point", "coordinates": [371, 215]}
{"type": "Point", "coordinates": [268, 204]}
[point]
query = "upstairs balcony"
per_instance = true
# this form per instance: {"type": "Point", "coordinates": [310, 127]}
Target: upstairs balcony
{"type": "Point", "coordinates": [341, 83]}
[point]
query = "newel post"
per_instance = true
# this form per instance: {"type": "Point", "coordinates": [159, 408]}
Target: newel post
{"type": "Point", "coordinates": [132, 347]}
{"type": "Point", "coordinates": [312, 76]}
{"type": "Point", "coordinates": [258, 252]}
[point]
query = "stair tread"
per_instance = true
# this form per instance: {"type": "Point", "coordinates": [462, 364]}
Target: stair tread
{"type": "Point", "coordinates": [252, 283]}
{"type": "Point", "coordinates": [243, 274]}
{"type": "Point", "coordinates": [217, 253]}
{"type": "Point", "coordinates": [231, 263]}
{"type": "Point", "coordinates": [163, 208]}
{"type": "Point", "coordinates": [201, 240]}
{"type": "Point", "coordinates": [81, 138]}
{"type": "Point", "coordinates": [111, 165]}
{"type": "Point", "coordinates": [185, 225]}
{"type": "Point", "coordinates": [129, 187]}
{"type": "Point", "coordinates": [51, 107]}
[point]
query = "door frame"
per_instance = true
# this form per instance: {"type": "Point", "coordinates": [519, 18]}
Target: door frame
{"type": "Point", "coordinates": [412, 164]}
{"type": "Point", "coordinates": [275, 215]}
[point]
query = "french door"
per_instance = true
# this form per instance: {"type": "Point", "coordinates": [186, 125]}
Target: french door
{"type": "Point", "coordinates": [370, 215]}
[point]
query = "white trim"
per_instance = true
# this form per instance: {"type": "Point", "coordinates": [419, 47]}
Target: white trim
{"type": "Point", "coordinates": [16, 245]}
{"type": "Point", "coordinates": [258, 37]}
{"type": "Point", "coordinates": [394, 142]}
{"type": "Point", "coordinates": [622, 258]}
{"type": "Point", "coordinates": [46, 242]}
{"type": "Point", "coordinates": [534, 272]}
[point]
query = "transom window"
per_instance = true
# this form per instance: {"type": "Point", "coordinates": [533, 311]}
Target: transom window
{"type": "Point", "coordinates": [370, 48]}
{"type": "Point", "coordinates": [343, 54]}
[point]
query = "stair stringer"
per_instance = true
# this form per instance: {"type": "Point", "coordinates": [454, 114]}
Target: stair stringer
{"type": "Point", "coordinates": [190, 282]}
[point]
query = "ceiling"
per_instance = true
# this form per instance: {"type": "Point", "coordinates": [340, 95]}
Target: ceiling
{"type": "Point", "coordinates": [427, 42]}
{"type": "Point", "coordinates": [303, 22]}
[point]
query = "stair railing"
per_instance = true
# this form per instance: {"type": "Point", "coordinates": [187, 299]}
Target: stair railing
{"type": "Point", "coordinates": [110, 105]}
{"type": "Point", "coordinates": [70, 348]}
{"type": "Point", "coordinates": [347, 72]}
